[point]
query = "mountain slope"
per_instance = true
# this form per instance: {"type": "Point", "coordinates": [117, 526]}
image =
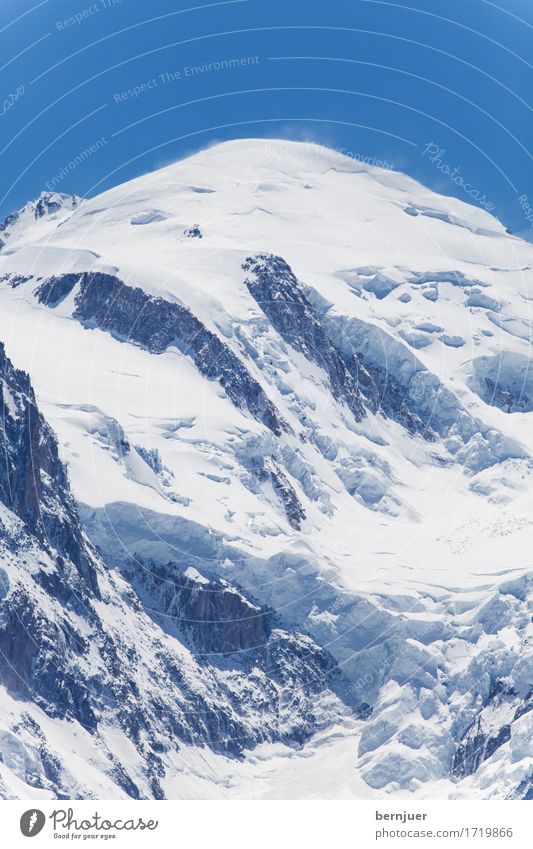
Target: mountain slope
{"type": "Point", "coordinates": [307, 380]}
{"type": "Point", "coordinates": [168, 658]}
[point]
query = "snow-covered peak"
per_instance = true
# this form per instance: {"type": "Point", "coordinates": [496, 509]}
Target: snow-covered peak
{"type": "Point", "coordinates": [432, 309]}
{"type": "Point", "coordinates": [54, 207]}
{"type": "Point", "coordinates": [265, 174]}
{"type": "Point", "coordinates": [308, 377]}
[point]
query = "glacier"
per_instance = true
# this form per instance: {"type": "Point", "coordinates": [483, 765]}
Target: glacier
{"type": "Point", "coordinates": [266, 467]}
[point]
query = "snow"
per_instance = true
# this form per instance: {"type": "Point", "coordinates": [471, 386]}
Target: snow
{"type": "Point", "coordinates": [402, 536]}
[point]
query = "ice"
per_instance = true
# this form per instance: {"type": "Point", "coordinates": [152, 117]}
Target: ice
{"type": "Point", "coordinates": [398, 538]}
{"type": "Point", "coordinates": [504, 380]}
{"type": "Point", "coordinates": [149, 216]}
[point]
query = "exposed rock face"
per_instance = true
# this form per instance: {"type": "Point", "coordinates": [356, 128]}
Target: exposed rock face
{"type": "Point", "coordinates": [364, 375]}
{"type": "Point", "coordinates": [212, 616]}
{"type": "Point", "coordinates": [251, 546]}
{"type": "Point", "coordinates": [50, 202]}
{"type": "Point", "coordinates": [477, 746]}
{"type": "Point", "coordinates": [524, 790]}
{"type": "Point", "coordinates": [358, 384]}
{"type": "Point", "coordinates": [161, 654]}
{"type": "Point", "coordinates": [285, 672]}
{"type": "Point", "coordinates": [5, 227]}
{"type": "Point", "coordinates": [33, 480]}
{"type": "Point", "coordinates": [491, 729]}
{"type": "Point", "coordinates": [37, 659]}
{"type": "Point", "coordinates": [294, 511]}
{"type": "Point", "coordinates": [105, 302]}
{"type": "Point", "coordinates": [265, 468]}
{"type": "Point", "coordinates": [193, 232]}
{"type": "Point", "coordinates": [504, 380]}
{"type": "Point", "coordinates": [55, 289]}
{"type": "Point", "coordinates": [54, 565]}
{"type": "Point", "coordinates": [46, 204]}
{"type": "Point", "coordinates": [284, 302]}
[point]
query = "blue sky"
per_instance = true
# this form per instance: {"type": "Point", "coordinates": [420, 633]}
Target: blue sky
{"type": "Point", "coordinates": [140, 84]}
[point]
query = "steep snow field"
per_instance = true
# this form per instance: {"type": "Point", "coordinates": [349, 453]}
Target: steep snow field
{"type": "Point", "coordinates": [310, 378]}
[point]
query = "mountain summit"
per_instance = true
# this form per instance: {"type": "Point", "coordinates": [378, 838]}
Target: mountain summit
{"type": "Point", "coordinates": [47, 206]}
{"type": "Point", "coordinates": [285, 398]}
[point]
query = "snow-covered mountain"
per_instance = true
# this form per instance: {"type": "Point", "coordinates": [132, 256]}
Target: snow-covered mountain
{"type": "Point", "coordinates": [288, 552]}
{"type": "Point", "coordinates": [36, 218]}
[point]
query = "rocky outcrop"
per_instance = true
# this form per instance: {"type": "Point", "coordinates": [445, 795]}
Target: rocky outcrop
{"type": "Point", "coordinates": [130, 314]}
{"type": "Point", "coordinates": [161, 654]}
{"type": "Point", "coordinates": [477, 746]}
{"type": "Point", "coordinates": [524, 791]}
{"type": "Point", "coordinates": [286, 493]}
{"type": "Point", "coordinates": [287, 674]}
{"type": "Point", "coordinates": [360, 385]}
{"type": "Point", "coordinates": [5, 227]}
{"type": "Point", "coordinates": [55, 289]}
{"type": "Point", "coordinates": [46, 204]}
{"type": "Point", "coordinates": [36, 660]}
{"type": "Point", "coordinates": [193, 232]}
{"type": "Point", "coordinates": [33, 480]}
{"type": "Point", "coordinates": [284, 302]}
{"type": "Point", "coordinates": [49, 202]}
{"type": "Point", "coordinates": [211, 616]}
{"type": "Point", "coordinates": [491, 729]}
